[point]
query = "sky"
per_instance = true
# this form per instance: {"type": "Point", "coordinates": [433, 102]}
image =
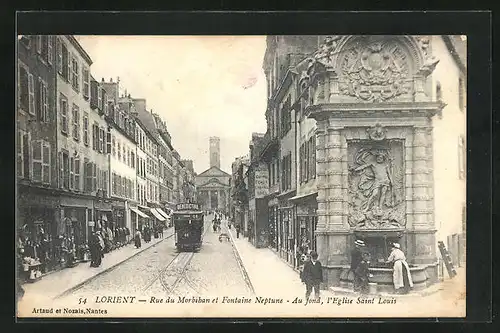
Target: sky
{"type": "Point", "coordinates": [202, 86]}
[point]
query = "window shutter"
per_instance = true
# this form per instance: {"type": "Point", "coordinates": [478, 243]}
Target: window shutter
{"type": "Point", "coordinates": [61, 170]}
{"type": "Point", "coordinates": [45, 100]}
{"type": "Point", "coordinates": [94, 137]}
{"type": "Point", "coordinates": [37, 148]}
{"type": "Point", "coordinates": [46, 163]}
{"type": "Point", "coordinates": [77, 74]}
{"type": "Point", "coordinates": [31, 92]}
{"type": "Point", "coordinates": [68, 66]}
{"type": "Point", "coordinates": [39, 100]}
{"type": "Point", "coordinates": [59, 56]}
{"type": "Point", "coordinates": [94, 177]}
{"type": "Point", "coordinates": [50, 52]}
{"type": "Point", "coordinates": [26, 155]}
{"type": "Point", "coordinates": [108, 142]}
{"type": "Point", "coordinates": [77, 174]}
{"type": "Point", "coordinates": [71, 173]}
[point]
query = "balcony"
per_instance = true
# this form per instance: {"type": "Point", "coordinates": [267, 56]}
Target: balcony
{"type": "Point", "coordinates": [268, 147]}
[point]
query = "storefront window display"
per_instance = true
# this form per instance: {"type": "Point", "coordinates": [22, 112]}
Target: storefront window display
{"type": "Point", "coordinates": [36, 240]}
{"type": "Point", "coordinates": [74, 234]}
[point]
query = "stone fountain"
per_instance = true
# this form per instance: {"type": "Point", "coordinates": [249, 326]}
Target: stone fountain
{"type": "Point", "coordinates": [370, 96]}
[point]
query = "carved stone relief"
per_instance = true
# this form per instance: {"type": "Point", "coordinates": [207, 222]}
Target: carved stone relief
{"type": "Point", "coordinates": [376, 184]}
{"type": "Point", "coordinates": [375, 71]}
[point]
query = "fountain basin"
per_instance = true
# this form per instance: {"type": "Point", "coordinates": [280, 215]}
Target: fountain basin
{"type": "Point", "coordinates": [383, 278]}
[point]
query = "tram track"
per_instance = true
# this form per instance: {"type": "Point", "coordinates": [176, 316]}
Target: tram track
{"type": "Point", "coordinates": [174, 272]}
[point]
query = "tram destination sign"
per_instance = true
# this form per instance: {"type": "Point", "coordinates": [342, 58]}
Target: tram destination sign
{"type": "Point", "coordinates": [187, 206]}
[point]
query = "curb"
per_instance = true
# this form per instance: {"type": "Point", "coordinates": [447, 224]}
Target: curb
{"type": "Point", "coordinates": [350, 292]}
{"type": "Point", "coordinates": [236, 251]}
{"type": "Point", "coordinates": [90, 279]}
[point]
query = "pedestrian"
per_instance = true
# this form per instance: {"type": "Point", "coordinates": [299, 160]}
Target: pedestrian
{"type": "Point", "coordinates": [401, 271]}
{"type": "Point", "coordinates": [96, 248]}
{"type": "Point", "coordinates": [137, 239]}
{"type": "Point", "coordinates": [238, 229]}
{"type": "Point", "coordinates": [363, 273]}
{"type": "Point", "coordinates": [356, 258]}
{"type": "Point", "coordinates": [312, 275]}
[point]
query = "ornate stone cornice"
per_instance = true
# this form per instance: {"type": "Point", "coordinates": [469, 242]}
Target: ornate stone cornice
{"type": "Point", "coordinates": [379, 110]}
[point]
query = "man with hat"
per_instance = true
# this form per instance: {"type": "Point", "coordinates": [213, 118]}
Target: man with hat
{"type": "Point", "coordinates": [356, 258]}
{"type": "Point", "coordinates": [401, 271]}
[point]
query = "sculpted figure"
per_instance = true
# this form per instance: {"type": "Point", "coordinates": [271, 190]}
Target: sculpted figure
{"type": "Point", "coordinates": [376, 185]}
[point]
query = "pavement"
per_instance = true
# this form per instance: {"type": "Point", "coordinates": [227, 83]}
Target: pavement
{"type": "Point", "coordinates": [61, 282]}
{"type": "Point", "coordinates": [259, 262]}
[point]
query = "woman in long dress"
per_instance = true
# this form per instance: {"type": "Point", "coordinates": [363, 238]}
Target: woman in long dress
{"type": "Point", "coordinates": [401, 271]}
{"type": "Point", "coordinates": [137, 239]}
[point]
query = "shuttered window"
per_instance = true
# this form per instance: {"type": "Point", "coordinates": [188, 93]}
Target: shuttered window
{"type": "Point", "coordinates": [77, 186]}
{"type": "Point", "coordinates": [63, 109]}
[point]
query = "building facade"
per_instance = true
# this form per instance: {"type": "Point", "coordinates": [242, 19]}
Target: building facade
{"type": "Point", "coordinates": [123, 156]}
{"type": "Point", "coordinates": [166, 164]}
{"type": "Point", "coordinates": [256, 223]}
{"type": "Point", "coordinates": [449, 85]}
{"type": "Point", "coordinates": [38, 215]}
{"type": "Point", "coordinates": [239, 190]}
{"type": "Point", "coordinates": [82, 144]}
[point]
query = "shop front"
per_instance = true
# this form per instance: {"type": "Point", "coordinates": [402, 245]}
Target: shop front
{"type": "Point", "coordinates": [273, 224]}
{"type": "Point", "coordinates": [306, 221]}
{"type": "Point", "coordinates": [73, 229]}
{"type": "Point", "coordinates": [37, 222]}
{"type": "Point", "coordinates": [138, 219]}
{"type": "Point", "coordinates": [286, 234]}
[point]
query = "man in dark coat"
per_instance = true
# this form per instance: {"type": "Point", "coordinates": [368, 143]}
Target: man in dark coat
{"type": "Point", "coordinates": [312, 275]}
{"type": "Point", "coordinates": [238, 229]}
{"type": "Point", "coordinates": [356, 258]}
{"type": "Point", "coordinates": [363, 273]}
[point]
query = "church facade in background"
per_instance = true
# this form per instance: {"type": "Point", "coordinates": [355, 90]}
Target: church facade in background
{"type": "Point", "coordinates": [213, 184]}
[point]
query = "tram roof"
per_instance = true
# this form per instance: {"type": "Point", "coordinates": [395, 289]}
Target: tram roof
{"type": "Point", "coordinates": [182, 212]}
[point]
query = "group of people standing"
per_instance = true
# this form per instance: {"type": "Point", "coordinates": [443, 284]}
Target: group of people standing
{"type": "Point", "coordinates": [360, 267]}
{"type": "Point", "coordinates": [312, 272]}
{"type": "Point", "coordinates": [147, 232]}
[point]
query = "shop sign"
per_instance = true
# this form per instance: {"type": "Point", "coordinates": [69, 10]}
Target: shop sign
{"type": "Point", "coordinates": [91, 223]}
{"type": "Point", "coordinates": [261, 181]}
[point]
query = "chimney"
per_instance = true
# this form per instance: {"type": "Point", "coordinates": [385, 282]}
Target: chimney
{"type": "Point", "coordinates": [118, 79]}
{"type": "Point", "coordinates": [102, 79]}
{"type": "Point", "coordinates": [111, 80]}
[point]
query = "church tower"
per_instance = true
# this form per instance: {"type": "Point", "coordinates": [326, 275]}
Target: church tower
{"type": "Point", "coordinates": [215, 151]}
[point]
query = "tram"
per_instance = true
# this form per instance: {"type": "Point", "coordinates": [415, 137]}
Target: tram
{"type": "Point", "coordinates": [188, 226]}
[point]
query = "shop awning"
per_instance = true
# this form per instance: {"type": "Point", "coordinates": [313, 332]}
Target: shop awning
{"type": "Point", "coordinates": [157, 215]}
{"type": "Point", "coordinates": [138, 212]}
{"type": "Point", "coordinates": [162, 213]}
{"type": "Point", "coordinates": [302, 196]}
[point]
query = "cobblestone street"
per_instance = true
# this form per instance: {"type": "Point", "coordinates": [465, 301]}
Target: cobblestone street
{"type": "Point", "coordinates": [208, 272]}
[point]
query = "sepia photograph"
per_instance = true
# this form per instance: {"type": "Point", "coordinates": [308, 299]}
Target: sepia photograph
{"type": "Point", "coordinates": [270, 176]}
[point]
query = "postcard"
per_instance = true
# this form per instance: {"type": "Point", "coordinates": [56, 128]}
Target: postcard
{"type": "Point", "coordinates": [241, 176]}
